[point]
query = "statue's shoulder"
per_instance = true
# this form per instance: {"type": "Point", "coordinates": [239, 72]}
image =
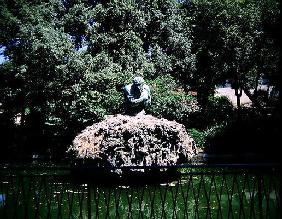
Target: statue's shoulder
{"type": "Point", "coordinates": [127, 87]}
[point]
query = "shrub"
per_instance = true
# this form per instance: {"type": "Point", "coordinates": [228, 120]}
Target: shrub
{"type": "Point", "coordinates": [170, 101]}
{"type": "Point", "coordinates": [198, 136]}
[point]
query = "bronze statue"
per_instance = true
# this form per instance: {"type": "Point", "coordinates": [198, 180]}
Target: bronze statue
{"type": "Point", "coordinates": [137, 96]}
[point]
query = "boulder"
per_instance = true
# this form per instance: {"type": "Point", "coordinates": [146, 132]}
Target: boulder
{"type": "Point", "coordinates": [141, 140]}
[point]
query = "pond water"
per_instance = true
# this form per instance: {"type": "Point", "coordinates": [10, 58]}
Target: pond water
{"type": "Point", "coordinates": [193, 193]}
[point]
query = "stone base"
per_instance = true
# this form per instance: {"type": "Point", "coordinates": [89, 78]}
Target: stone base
{"type": "Point", "coordinates": [141, 140]}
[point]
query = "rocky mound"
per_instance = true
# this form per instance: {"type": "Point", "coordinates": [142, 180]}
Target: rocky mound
{"type": "Point", "coordinates": [141, 140]}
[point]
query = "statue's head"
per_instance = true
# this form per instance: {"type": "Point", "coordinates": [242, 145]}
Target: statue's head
{"type": "Point", "coordinates": [138, 82]}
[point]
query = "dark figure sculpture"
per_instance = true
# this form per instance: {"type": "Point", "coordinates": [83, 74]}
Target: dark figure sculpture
{"type": "Point", "coordinates": [137, 96]}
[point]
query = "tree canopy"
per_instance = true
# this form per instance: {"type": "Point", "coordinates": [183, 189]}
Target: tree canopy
{"type": "Point", "coordinates": [69, 59]}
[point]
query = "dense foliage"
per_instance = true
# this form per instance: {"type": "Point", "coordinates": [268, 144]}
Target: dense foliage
{"type": "Point", "coordinates": [69, 59]}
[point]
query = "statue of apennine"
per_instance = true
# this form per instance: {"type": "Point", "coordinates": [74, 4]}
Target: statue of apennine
{"type": "Point", "coordinates": [137, 96]}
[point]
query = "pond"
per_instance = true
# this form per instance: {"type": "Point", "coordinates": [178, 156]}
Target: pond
{"type": "Point", "coordinates": [195, 192]}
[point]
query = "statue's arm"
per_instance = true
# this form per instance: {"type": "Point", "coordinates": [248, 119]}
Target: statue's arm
{"type": "Point", "coordinates": [129, 97]}
{"type": "Point", "coordinates": [144, 96]}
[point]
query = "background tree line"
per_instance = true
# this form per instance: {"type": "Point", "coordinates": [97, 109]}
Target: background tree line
{"type": "Point", "coordinates": [69, 59]}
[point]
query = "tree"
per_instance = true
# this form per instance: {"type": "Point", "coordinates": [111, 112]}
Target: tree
{"type": "Point", "coordinates": [231, 42]}
{"type": "Point", "coordinates": [69, 59]}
